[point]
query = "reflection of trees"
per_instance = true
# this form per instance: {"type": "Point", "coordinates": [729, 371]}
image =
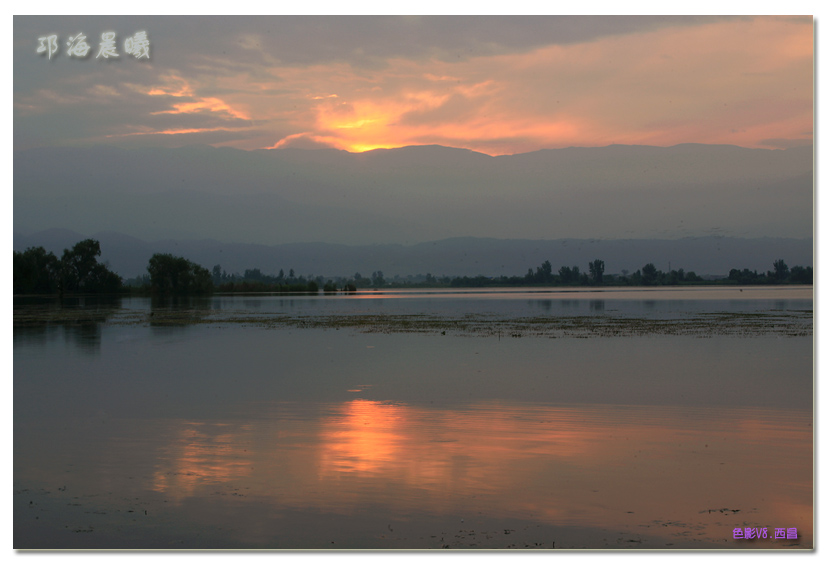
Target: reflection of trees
{"type": "Point", "coordinates": [545, 304]}
{"type": "Point", "coordinates": [252, 304]}
{"type": "Point", "coordinates": [181, 302]}
{"type": "Point", "coordinates": [38, 319]}
{"type": "Point", "coordinates": [178, 311]}
{"type": "Point", "coordinates": [597, 305]}
{"type": "Point", "coordinates": [77, 318]}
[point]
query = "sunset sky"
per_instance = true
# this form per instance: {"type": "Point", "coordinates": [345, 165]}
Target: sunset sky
{"type": "Point", "coordinates": [497, 85]}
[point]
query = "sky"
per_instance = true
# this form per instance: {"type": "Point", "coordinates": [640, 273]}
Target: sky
{"type": "Point", "coordinates": [498, 85]}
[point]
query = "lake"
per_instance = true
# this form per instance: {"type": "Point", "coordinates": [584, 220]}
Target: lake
{"type": "Point", "coordinates": [417, 419]}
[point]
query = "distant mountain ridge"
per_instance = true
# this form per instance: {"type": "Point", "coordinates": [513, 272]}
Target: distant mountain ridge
{"type": "Point", "coordinates": [462, 256]}
{"type": "Point", "coordinates": [416, 194]}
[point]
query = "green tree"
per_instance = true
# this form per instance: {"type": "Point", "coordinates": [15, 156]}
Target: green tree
{"type": "Point", "coordinates": [177, 275]}
{"type": "Point", "coordinates": [596, 268]}
{"type": "Point", "coordinates": [253, 274]}
{"type": "Point", "coordinates": [77, 264]}
{"type": "Point", "coordinates": [649, 274]}
{"type": "Point", "coordinates": [801, 275]}
{"type": "Point", "coordinates": [544, 273]}
{"type": "Point", "coordinates": [692, 277]}
{"type": "Point", "coordinates": [36, 272]}
{"type": "Point", "coordinates": [569, 275]}
{"type": "Point", "coordinates": [781, 270]}
{"type": "Point", "coordinates": [80, 270]}
{"type": "Point", "coordinates": [217, 275]}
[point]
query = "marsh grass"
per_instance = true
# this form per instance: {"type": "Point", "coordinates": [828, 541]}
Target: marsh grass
{"type": "Point", "coordinates": [789, 323]}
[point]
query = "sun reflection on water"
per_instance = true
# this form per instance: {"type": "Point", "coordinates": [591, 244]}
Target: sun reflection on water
{"type": "Point", "coordinates": [664, 471]}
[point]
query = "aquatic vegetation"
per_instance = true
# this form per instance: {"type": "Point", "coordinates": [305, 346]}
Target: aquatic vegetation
{"type": "Point", "coordinates": [790, 323]}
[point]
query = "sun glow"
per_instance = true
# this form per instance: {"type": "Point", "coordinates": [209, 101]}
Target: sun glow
{"type": "Point", "coordinates": [620, 89]}
{"type": "Point", "coordinates": [744, 82]}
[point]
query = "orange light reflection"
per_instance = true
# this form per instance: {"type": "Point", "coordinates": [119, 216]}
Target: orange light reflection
{"type": "Point", "coordinates": [594, 465]}
{"type": "Point", "coordinates": [201, 455]}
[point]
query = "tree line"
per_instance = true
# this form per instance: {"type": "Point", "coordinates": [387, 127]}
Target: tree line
{"type": "Point", "coordinates": [648, 275]}
{"type": "Point", "coordinates": [78, 271]}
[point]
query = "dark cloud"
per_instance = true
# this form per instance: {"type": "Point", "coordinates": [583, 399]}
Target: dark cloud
{"type": "Point", "coordinates": [359, 40]}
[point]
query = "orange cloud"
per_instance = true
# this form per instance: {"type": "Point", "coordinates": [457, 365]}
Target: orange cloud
{"type": "Point", "coordinates": [733, 82]}
{"type": "Point", "coordinates": [173, 85]}
{"type": "Point", "coordinates": [173, 131]}
{"type": "Point", "coordinates": [205, 104]}
{"type": "Point", "coordinates": [176, 86]}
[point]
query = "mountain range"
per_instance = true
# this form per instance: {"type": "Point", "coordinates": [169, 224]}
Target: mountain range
{"type": "Point", "coordinates": [415, 195]}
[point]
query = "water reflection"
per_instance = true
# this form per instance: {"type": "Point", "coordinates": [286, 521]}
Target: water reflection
{"type": "Point", "coordinates": [201, 454]}
{"type": "Point", "coordinates": [76, 320]}
{"type": "Point", "coordinates": [364, 437]}
{"type": "Point", "coordinates": [80, 318]}
{"type": "Point", "coordinates": [597, 305]}
{"type": "Point", "coordinates": [249, 435]}
{"type": "Point", "coordinates": [663, 474]}
{"type": "Point", "coordinates": [196, 303]}
{"type": "Point", "coordinates": [252, 303]}
{"type": "Point", "coordinates": [177, 313]}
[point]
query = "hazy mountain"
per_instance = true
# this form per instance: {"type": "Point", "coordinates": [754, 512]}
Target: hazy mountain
{"type": "Point", "coordinates": [416, 194]}
{"type": "Point", "coordinates": [460, 256]}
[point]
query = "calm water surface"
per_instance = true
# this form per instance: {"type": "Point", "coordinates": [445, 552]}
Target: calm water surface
{"type": "Point", "coordinates": [132, 433]}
